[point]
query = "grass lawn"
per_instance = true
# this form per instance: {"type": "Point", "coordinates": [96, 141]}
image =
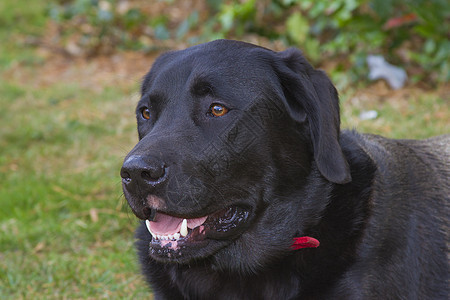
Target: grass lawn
{"type": "Point", "coordinates": [65, 127]}
{"type": "Point", "coordinates": [65, 231]}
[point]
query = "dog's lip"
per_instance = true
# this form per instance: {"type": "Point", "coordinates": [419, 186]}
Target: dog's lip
{"type": "Point", "coordinates": [175, 231]}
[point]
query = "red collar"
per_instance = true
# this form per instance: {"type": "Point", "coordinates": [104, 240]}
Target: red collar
{"type": "Point", "coordinates": [304, 242]}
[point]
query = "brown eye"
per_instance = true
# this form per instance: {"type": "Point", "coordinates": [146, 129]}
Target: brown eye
{"type": "Point", "coordinates": [145, 113]}
{"type": "Point", "coordinates": [218, 110]}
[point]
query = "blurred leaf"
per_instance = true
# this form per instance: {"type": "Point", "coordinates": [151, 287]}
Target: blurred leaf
{"type": "Point", "coordinates": [383, 8]}
{"type": "Point", "coordinates": [161, 32]}
{"type": "Point", "coordinates": [133, 17]}
{"type": "Point", "coordinates": [227, 17]}
{"type": "Point", "coordinates": [430, 46]}
{"type": "Point", "coordinates": [104, 15]}
{"type": "Point", "coordinates": [297, 28]}
{"type": "Point", "coordinates": [290, 2]}
{"type": "Point", "coordinates": [311, 47]}
{"type": "Point", "coordinates": [182, 29]}
{"type": "Point", "coordinates": [187, 24]}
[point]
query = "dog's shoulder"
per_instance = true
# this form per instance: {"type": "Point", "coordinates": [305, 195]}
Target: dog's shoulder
{"type": "Point", "coordinates": [418, 169]}
{"type": "Point", "coordinates": [408, 224]}
{"type": "Point", "coordinates": [432, 154]}
{"type": "Point", "coordinates": [434, 151]}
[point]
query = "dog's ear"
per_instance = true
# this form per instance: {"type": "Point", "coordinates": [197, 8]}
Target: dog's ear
{"type": "Point", "coordinates": [311, 95]}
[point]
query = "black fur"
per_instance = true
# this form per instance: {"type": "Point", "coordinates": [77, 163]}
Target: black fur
{"type": "Point", "coordinates": [379, 207]}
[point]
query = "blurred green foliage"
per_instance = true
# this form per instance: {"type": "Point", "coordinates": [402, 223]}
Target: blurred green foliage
{"type": "Point", "coordinates": [410, 33]}
{"type": "Point", "coordinates": [94, 27]}
{"type": "Point", "coordinates": [353, 28]}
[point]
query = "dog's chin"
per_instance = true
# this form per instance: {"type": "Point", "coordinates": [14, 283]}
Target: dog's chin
{"type": "Point", "coordinates": [184, 240]}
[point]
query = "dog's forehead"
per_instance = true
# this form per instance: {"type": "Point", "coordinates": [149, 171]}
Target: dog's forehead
{"type": "Point", "coordinates": [225, 62]}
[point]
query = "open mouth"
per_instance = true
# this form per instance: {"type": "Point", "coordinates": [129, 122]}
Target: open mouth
{"type": "Point", "coordinates": [174, 233]}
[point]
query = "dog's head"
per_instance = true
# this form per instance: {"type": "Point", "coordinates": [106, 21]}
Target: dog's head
{"type": "Point", "coordinates": [230, 136]}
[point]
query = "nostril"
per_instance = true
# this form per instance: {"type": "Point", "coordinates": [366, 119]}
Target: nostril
{"type": "Point", "coordinates": [126, 177]}
{"type": "Point", "coordinates": [146, 176]}
{"type": "Point", "coordinates": [153, 174]}
{"type": "Point", "coordinates": [143, 171]}
{"type": "Point", "coordinates": [149, 214]}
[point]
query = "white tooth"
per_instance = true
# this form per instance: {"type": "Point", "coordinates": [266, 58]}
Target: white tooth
{"type": "Point", "coordinates": [164, 237]}
{"type": "Point", "coordinates": [184, 229]}
{"type": "Point", "coordinates": [176, 236]}
{"type": "Point", "coordinates": [170, 237]}
{"type": "Point", "coordinates": [158, 236]}
{"type": "Point", "coordinates": [147, 223]}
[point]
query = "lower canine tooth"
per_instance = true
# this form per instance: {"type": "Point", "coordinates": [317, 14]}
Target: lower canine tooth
{"type": "Point", "coordinates": [184, 230]}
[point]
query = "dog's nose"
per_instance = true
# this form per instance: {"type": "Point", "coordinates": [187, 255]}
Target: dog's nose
{"type": "Point", "coordinates": [143, 171]}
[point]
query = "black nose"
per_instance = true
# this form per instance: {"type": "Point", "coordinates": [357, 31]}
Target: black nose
{"type": "Point", "coordinates": [144, 171]}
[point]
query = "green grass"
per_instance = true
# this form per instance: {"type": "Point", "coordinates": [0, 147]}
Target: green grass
{"type": "Point", "coordinates": [65, 229]}
{"type": "Point", "coordinates": [417, 116]}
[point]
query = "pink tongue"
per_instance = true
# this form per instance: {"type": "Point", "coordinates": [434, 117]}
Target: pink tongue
{"type": "Point", "coordinates": [164, 224]}
{"type": "Point", "coordinates": [192, 223]}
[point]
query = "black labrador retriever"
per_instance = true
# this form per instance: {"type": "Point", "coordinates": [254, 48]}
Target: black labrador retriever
{"type": "Point", "coordinates": [248, 189]}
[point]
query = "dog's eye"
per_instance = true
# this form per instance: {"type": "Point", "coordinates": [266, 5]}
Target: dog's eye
{"type": "Point", "coordinates": [218, 110]}
{"type": "Point", "coordinates": [145, 112]}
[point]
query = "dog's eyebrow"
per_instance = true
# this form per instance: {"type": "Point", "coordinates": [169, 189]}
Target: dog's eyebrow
{"type": "Point", "coordinates": [201, 87]}
{"type": "Point", "coordinates": [155, 100]}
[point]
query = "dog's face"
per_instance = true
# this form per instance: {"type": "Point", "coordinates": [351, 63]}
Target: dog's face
{"type": "Point", "coordinates": [229, 133]}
